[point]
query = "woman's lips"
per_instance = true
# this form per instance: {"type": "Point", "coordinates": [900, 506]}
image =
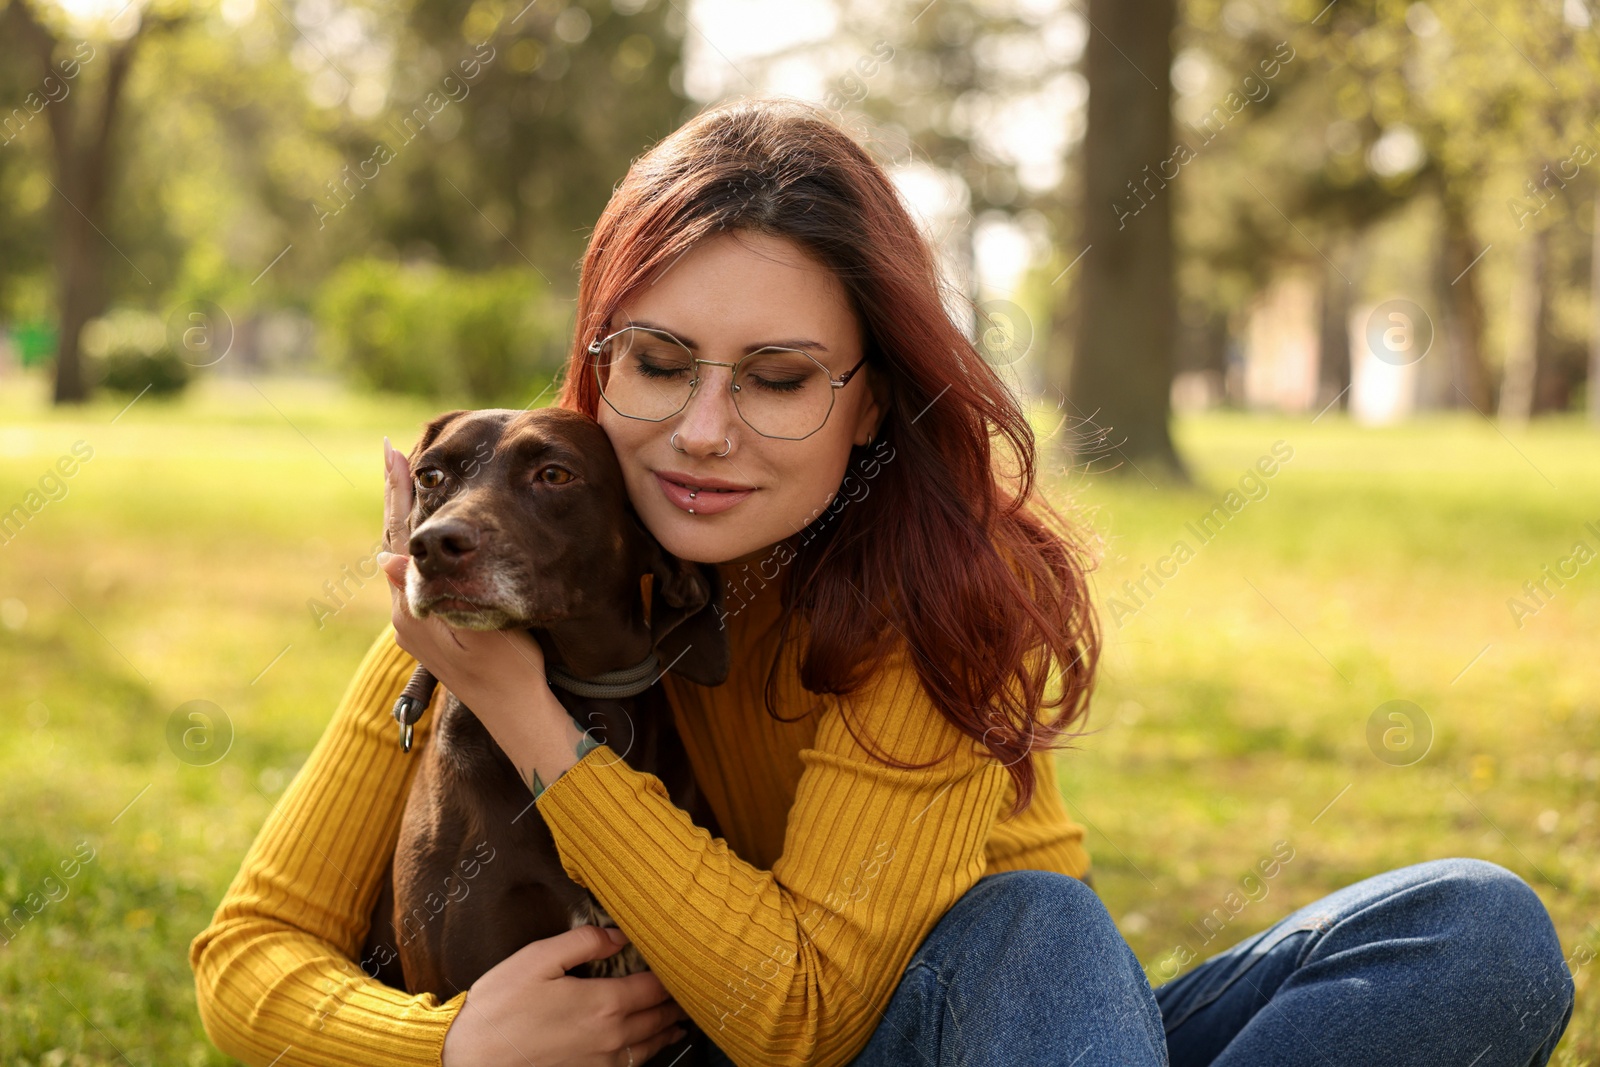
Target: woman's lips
{"type": "Point", "coordinates": [705, 502]}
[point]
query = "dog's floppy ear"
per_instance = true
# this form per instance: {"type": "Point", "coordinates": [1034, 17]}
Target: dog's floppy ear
{"type": "Point", "coordinates": [430, 434]}
{"type": "Point", "coordinates": [686, 627]}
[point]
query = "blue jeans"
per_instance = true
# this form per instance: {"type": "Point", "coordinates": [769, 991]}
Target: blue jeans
{"type": "Point", "coordinates": [1451, 962]}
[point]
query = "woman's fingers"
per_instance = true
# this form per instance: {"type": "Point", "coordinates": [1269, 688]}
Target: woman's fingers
{"type": "Point", "coordinates": [388, 490]}
{"type": "Point", "coordinates": [552, 957]}
{"type": "Point", "coordinates": [526, 1008]}
{"type": "Point", "coordinates": [651, 1023]}
{"type": "Point", "coordinates": [644, 1048]}
{"type": "Point", "coordinates": [635, 992]}
{"type": "Point", "coordinates": [396, 498]}
{"type": "Point", "coordinates": [393, 561]}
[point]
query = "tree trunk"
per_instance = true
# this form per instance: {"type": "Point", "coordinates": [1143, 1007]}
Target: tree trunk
{"type": "Point", "coordinates": [80, 296]}
{"type": "Point", "coordinates": [1464, 318]}
{"type": "Point", "coordinates": [86, 169]}
{"type": "Point", "coordinates": [1594, 317]}
{"type": "Point", "coordinates": [1522, 348]}
{"type": "Point", "coordinates": [1122, 363]}
{"type": "Point", "coordinates": [1333, 340]}
{"type": "Point", "coordinates": [82, 174]}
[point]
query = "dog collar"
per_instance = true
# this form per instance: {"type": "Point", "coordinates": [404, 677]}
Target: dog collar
{"type": "Point", "coordinates": [612, 685]}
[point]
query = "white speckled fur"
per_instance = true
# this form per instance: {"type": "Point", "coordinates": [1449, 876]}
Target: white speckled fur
{"type": "Point", "coordinates": [498, 589]}
{"type": "Point", "coordinates": [626, 962]}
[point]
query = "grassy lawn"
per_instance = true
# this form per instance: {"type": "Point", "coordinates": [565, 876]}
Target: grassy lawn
{"type": "Point", "coordinates": [1238, 689]}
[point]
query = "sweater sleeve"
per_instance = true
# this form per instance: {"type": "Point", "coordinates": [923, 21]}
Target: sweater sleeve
{"type": "Point", "coordinates": [275, 977]}
{"type": "Point", "coordinates": [794, 965]}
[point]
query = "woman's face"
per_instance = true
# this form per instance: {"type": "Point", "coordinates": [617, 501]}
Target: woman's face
{"type": "Point", "coordinates": [726, 296]}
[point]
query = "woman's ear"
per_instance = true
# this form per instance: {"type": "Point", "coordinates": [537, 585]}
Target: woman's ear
{"type": "Point", "coordinates": [875, 409]}
{"type": "Point", "coordinates": [686, 628]}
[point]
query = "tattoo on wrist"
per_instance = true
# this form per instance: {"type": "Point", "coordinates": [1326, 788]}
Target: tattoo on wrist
{"type": "Point", "coordinates": [537, 784]}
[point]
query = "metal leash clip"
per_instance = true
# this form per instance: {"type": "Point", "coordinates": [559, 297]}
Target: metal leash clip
{"type": "Point", "coordinates": [413, 701]}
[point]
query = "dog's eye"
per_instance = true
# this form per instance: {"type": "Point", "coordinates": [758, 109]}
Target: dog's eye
{"type": "Point", "coordinates": [430, 477]}
{"type": "Point", "coordinates": [554, 475]}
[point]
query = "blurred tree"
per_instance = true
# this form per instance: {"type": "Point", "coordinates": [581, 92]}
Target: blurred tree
{"type": "Point", "coordinates": [1279, 179]}
{"type": "Point", "coordinates": [1594, 311]}
{"type": "Point", "coordinates": [523, 154]}
{"type": "Point", "coordinates": [962, 87]}
{"type": "Point", "coordinates": [82, 145]}
{"type": "Point", "coordinates": [24, 229]}
{"type": "Point", "coordinates": [1555, 274]}
{"type": "Point", "coordinates": [966, 86]}
{"type": "Point", "coordinates": [1391, 103]}
{"type": "Point", "coordinates": [1396, 75]}
{"type": "Point", "coordinates": [1121, 374]}
{"type": "Point", "coordinates": [1527, 317]}
{"type": "Point", "coordinates": [488, 133]}
{"type": "Point", "coordinates": [386, 325]}
{"type": "Point", "coordinates": [464, 131]}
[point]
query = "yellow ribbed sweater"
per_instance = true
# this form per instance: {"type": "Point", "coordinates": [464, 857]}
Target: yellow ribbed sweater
{"type": "Point", "coordinates": [784, 939]}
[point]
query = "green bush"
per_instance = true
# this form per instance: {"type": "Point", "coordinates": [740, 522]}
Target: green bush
{"type": "Point", "coordinates": [128, 352]}
{"type": "Point", "coordinates": [128, 370]}
{"type": "Point", "coordinates": [434, 332]}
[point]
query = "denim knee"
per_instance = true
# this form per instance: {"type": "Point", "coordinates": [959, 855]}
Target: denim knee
{"type": "Point", "coordinates": [1040, 896]}
{"type": "Point", "coordinates": [1512, 935]}
{"type": "Point", "coordinates": [1025, 967]}
{"type": "Point", "coordinates": [1039, 931]}
{"type": "Point", "coordinates": [1024, 946]}
{"type": "Point", "coordinates": [1035, 908]}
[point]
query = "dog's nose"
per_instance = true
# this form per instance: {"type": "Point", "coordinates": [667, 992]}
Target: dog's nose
{"type": "Point", "coordinates": [442, 547]}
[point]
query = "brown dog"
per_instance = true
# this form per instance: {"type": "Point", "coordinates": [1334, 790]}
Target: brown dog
{"type": "Point", "coordinates": [522, 520]}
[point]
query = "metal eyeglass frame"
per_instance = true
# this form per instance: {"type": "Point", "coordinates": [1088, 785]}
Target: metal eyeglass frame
{"type": "Point", "coordinates": [840, 382]}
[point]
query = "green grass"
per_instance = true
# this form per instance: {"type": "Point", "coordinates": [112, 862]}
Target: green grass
{"type": "Point", "coordinates": [1232, 709]}
{"type": "Point", "coordinates": [1234, 704]}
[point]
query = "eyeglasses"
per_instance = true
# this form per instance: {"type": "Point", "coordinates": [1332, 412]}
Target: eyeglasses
{"type": "Point", "coordinates": [649, 374]}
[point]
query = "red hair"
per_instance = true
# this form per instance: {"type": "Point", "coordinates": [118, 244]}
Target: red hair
{"type": "Point", "coordinates": [973, 568]}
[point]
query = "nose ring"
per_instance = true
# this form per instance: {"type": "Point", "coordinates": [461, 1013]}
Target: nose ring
{"type": "Point", "coordinates": [727, 445]}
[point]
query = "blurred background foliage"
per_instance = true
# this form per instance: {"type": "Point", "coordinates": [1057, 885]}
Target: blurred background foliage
{"type": "Point", "coordinates": [258, 154]}
{"type": "Point", "coordinates": [435, 332]}
{"type": "Point", "coordinates": [245, 152]}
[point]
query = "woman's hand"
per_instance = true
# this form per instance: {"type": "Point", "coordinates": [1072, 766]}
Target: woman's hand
{"type": "Point", "coordinates": [487, 669]}
{"type": "Point", "coordinates": [526, 1010]}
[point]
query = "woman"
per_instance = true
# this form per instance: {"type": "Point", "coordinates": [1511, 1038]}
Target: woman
{"type": "Point", "coordinates": [898, 881]}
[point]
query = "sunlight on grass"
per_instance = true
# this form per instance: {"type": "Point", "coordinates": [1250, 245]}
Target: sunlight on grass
{"type": "Point", "coordinates": [1371, 566]}
{"type": "Point", "coordinates": [183, 560]}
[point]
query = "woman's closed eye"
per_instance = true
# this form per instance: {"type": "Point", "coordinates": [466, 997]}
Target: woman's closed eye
{"type": "Point", "coordinates": [664, 370]}
{"type": "Point", "coordinates": [776, 385]}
